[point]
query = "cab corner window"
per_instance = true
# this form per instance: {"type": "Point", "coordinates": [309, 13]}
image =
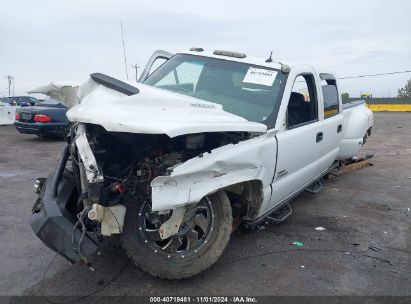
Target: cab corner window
{"type": "Point", "coordinates": [302, 106]}
{"type": "Point", "coordinates": [330, 97]}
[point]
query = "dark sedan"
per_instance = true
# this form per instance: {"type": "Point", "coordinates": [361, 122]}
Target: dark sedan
{"type": "Point", "coordinates": [45, 119]}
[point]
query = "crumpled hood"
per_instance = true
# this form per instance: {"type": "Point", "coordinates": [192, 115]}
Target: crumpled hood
{"type": "Point", "coordinates": [153, 111]}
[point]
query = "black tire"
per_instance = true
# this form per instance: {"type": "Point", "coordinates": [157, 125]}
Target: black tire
{"type": "Point", "coordinates": [186, 263]}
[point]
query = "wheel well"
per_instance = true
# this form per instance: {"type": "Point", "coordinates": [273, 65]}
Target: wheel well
{"type": "Point", "coordinates": [245, 198]}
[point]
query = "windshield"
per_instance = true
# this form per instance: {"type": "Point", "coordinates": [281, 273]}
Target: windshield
{"type": "Point", "coordinates": [250, 91]}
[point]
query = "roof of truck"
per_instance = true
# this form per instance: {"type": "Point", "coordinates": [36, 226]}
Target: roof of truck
{"type": "Point", "coordinates": [275, 64]}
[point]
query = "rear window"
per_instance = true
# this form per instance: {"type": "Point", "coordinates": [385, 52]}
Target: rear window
{"type": "Point", "coordinates": [330, 96]}
{"type": "Point", "coordinates": [49, 103]}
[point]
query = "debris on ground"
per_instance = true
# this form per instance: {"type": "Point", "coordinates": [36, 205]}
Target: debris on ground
{"type": "Point", "coordinates": [260, 227]}
{"type": "Point", "coordinates": [402, 187]}
{"type": "Point", "coordinates": [379, 259]}
{"type": "Point", "coordinates": [302, 266]}
{"type": "Point", "coordinates": [356, 163]}
{"type": "Point", "coordinates": [375, 248]}
{"type": "Point", "coordinates": [319, 228]}
{"type": "Point", "coordinates": [298, 244]}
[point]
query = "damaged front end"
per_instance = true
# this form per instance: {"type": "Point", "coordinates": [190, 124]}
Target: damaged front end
{"type": "Point", "coordinates": [173, 175]}
{"type": "Point", "coordinates": [53, 220]}
{"type": "Point", "coordinates": [100, 173]}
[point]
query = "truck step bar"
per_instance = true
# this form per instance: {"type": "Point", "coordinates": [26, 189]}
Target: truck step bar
{"type": "Point", "coordinates": [316, 186]}
{"type": "Point", "coordinates": [280, 215]}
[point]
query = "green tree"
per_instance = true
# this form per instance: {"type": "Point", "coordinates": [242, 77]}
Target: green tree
{"type": "Point", "coordinates": [405, 91]}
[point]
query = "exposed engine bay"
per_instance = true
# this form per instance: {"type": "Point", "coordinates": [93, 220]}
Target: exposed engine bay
{"type": "Point", "coordinates": [124, 166]}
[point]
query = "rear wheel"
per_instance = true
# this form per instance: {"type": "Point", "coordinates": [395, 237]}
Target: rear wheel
{"type": "Point", "coordinates": [201, 239]}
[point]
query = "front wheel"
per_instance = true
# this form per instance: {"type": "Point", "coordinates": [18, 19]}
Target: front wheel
{"type": "Point", "coordinates": [201, 239]}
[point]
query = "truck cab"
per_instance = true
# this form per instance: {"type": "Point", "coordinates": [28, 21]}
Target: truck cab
{"type": "Point", "coordinates": [310, 129]}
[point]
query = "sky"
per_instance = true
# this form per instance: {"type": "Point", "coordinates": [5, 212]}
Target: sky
{"type": "Point", "coordinates": [44, 41]}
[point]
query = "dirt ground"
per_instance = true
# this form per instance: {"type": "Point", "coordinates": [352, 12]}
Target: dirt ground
{"type": "Point", "coordinates": [367, 207]}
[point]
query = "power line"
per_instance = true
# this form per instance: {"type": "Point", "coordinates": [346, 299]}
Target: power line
{"type": "Point", "coordinates": [373, 75]}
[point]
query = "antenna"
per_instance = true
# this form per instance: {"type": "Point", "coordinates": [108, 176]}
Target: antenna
{"type": "Point", "coordinates": [269, 58]}
{"type": "Point", "coordinates": [124, 49]}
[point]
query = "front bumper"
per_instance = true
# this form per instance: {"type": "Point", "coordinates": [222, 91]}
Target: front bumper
{"type": "Point", "coordinates": [52, 222]}
{"type": "Point", "coordinates": [41, 129]}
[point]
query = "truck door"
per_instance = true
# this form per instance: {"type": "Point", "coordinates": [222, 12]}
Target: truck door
{"type": "Point", "coordinates": [299, 136]}
{"type": "Point", "coordinates": [332, 121]}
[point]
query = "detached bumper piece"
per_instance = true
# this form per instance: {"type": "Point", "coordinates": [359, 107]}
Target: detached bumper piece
{"type": "Point", "coordinates": [53, 223]}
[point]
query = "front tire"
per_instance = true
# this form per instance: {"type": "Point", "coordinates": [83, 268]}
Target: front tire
{"type": "Point", "coordinates": [200, 241]}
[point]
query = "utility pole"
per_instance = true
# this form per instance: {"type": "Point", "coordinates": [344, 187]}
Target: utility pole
{"type": "Point", "coordinates": [10, 81]}
{"type": "Point", "coordinates": [136, 66]}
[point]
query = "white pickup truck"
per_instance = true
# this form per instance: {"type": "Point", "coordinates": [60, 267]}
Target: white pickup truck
{"type": "Point", "coordinates": [204, 142]}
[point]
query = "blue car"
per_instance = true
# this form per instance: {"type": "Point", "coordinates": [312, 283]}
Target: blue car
{"type": "Point", "coordinates": [44, 119]}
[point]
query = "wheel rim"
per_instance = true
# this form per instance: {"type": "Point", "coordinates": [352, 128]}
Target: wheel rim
{"type": "Point", "coordinates": [193, 234]}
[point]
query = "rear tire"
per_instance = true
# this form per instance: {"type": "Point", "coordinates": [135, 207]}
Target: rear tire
{"type": "Point", "coordinates": [187, 256]}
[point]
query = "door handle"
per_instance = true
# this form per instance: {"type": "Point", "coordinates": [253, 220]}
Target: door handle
{"type": "Point", "coordinates": [320, 136]}
{"type": "Point", "coordinates": [339, 128]}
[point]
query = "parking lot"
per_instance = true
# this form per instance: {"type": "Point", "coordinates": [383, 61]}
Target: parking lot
{"type": "Point", "coordinates": [367, 207]}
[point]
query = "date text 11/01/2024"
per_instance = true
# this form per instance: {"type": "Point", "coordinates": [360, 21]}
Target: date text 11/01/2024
{"type": "Point", "coordinates": [187, 299]}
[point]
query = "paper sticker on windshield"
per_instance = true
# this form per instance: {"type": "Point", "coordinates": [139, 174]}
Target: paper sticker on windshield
{"type": "Point", "coordinates": [260, 76]}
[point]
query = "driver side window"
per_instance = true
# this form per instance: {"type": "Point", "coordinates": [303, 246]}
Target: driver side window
{"type": "Point", "coordinates": [302, 106]}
